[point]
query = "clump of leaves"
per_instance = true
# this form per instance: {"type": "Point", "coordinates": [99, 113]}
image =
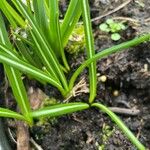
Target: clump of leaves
{"type": "Point", "coordinates": [112, 27]}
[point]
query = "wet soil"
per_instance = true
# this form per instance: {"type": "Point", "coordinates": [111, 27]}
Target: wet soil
{"type": "Point", "coordinates": [127, 72]}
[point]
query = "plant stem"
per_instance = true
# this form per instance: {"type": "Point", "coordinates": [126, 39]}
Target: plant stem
{"type": "Point", "coordinates": [121, 125]}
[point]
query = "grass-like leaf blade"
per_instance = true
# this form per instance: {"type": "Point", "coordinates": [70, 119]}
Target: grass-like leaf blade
{"type": "Point", "coordinates": [44, 58]}
{"type": "Point", "coordinates": [59, 109]}
{"type": "Point", "coordinates": [19, 91]}
{"type": "Point", "coordinates": [25, 51]}
{"type": "Point", "coordinates": [121, 125]}
{"type": "Point", "coordinates": [71, 18]}
{"type": "Point", "coordinates": [107, 52]}
{"type": "Point", "coordinates": [29, 69]}
{"type": "Point", "coordinates": [41, 17]}
{"type": "Point", "coordinates": [89, 48]}
{"type": "Point", "coordinates": [14, 77]}
{"type": "Point", "coordinates": [55, 34]}
{"type": "Point", "coordinates": [11, 114]}
{"type": "Point", "coordinates": [13, 17]}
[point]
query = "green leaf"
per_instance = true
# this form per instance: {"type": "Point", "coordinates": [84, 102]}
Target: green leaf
{"type": "Point", "coordinates": [26, 54]}
{"type": "Point", "coordinates": [19, 91]}
{"type": "Point", "coordinates": [29, 69]}
{"type": "Point", "coordinates": [55, 34]}
{"type": "Point", "coordinates": [115, 36]}
{"type": "Point", "coordinates": [44, 58]}
{"type": "Point", "coordinates": [7, 14]}
{"type": "Point", "coordinates": [114, 27]}
{"type": "Point", "coordinates": [28, 49]}
{"type": "Point", "coordinates": [14, 76]}
{"type": "Point", "coordinates": [15, 55]}
{"type": "Point", "coordinates": [11, 114]}
{"type": "Point", "coordinates": [71, 18]}
{"type": "Point", "coordinates": [109, 21]}
{"type": "Point", "coordinates": [54, 27]}
{"type": "Point", "coordinates": [59, 109]}
{"type": "Point", "coordinates": [121, 125]}
{"type": "Point", "coordinates": [13, 17]}
{"type": "Point", "coordinates": [41, 17]}
{"type": "Point", "coordinates": [8, 50]}
{"type": "Point", "coordinates": [104, 27]}
{"type": "Point", "coordinates": [89, 48]}
{"type": "Point", "coordinates": [123, 27]}
{"type": "Point", "coordinates": [3, 33]}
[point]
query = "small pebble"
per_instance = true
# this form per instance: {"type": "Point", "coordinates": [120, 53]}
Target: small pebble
{"type": "Point", "coordinates": [103, 78]}
{"type": "Point", "coordinates": [115, 93]}
{"type": "Point", "coordinates": [145, 67]}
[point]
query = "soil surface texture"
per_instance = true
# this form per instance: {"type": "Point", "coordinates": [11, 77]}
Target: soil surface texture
{"type": "Point", "coordinates": [127, 86]}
